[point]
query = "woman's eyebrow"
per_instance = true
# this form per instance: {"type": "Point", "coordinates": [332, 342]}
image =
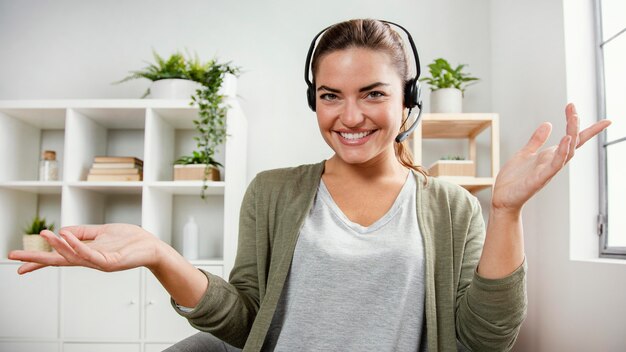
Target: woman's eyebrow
{"type": "Point", "coordinates": [366, 88]}
{"type": "Point", "coordinates": [372, 86]}
{"type": "Point", "coordinates": [333, 90]}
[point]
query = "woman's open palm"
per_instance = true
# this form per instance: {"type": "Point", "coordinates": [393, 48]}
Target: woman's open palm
{"type": "Point", "coordinates": [530, 169]}
{"type": "Point", "coordinates": [109, 247]}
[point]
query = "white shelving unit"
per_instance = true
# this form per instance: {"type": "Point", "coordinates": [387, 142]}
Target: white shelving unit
{"type": "Point", "coordinates": [157, 131]}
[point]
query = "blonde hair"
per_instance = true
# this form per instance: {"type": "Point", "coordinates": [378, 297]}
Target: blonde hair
{"type": "Point", "coordinates": [375, 35]}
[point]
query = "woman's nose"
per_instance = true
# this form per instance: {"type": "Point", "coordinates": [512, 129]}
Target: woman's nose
{"type": "Point", "coordinates": [351, 114]}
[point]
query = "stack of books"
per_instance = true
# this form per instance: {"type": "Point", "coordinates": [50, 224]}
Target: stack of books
{"type": "Point", "coordinates": [116, 168]}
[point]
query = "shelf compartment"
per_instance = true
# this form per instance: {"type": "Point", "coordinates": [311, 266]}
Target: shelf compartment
{"type": "Point", "coordinates": [89, 204]}
{"type": "Point", "coordinates": [27, 134]}
{"type": "Point", "coordinates": [114, 132]}
{"type": "Point", "coordinates": [208, 214]}
{"type": "Point", "coordinates": [19, 209]}
{"type": "Point", "coordinates": [166, 210]}
{"type": "Point", "coordinates": [456, 127]}
{"type": "Point", "coordinates": [170, 135]}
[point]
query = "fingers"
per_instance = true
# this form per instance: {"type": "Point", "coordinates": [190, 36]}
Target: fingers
{"type": "Point", "coordinates": [572, 128]}
{"type": "Point", "coordinates": [539, 137]}
{"type": "Point", "coordinates": [29, 267]}
{"type": "Point", "coordinates": [559, 158]}
{"type": "Point", "coordinates": [562, 154]}
{"type": "Point", "coordinates": [82, 250]}
{"type": "Point", "coordinates": [45, 258]}
{"type": "Point", "coordinates": [83, 232]}
{"type": "Point", "coordinates": [592, 131]}
{"type": "Point", "coordinates": [70, 251]}
{"type": "Point", "coordinates": [64, 249]}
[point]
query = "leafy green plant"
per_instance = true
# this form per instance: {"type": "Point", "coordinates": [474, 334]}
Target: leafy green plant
{"type": "Point", "coordinates": [452, 157]}
{"type": "Point", "coordinates": [444, 76]}
{"type": "Point", "coordinates": [197, 158]}
{"type": "Point", "coordinates": [37, 225]}
{"type": "Point", "coordinates": [211, 122]}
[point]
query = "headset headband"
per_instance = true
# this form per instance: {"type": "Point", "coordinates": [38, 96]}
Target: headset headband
{"type": "Point", "coordinates": [312, 47]}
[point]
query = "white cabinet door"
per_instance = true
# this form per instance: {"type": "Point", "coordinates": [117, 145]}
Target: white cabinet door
{"type": "Point", "coordinates": [163, 324]}
{"type": "Point", "coordinates": [101, 347]}
{"type": "Point", "coordinates": [100, 306]}
{"type": "Point", "coordinates": [29, 346]}
{"type": "Point", "coordinates": [29, 303]}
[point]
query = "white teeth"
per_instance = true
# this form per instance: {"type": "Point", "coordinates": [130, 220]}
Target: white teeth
{"type": "Point", "coordinates": [355, 135]}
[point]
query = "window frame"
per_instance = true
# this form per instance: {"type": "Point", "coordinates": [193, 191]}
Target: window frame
{"type": "Point", "coordinates": [605, 251]}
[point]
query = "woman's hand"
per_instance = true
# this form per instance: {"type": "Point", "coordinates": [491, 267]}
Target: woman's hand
{"type": "Point", "coordinates": [109, 247]}
{"type": "Point", "coordinates": [529, 170]}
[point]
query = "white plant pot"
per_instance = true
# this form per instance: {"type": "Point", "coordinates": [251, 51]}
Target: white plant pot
{"type": "Point", "coordinates": [183, 88]}
{"type": "Point", "coordinates": [446, 100]}
{"type": "Point", "coordinates": [173, 89]}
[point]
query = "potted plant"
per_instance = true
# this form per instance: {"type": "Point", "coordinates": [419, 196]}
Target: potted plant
{"type": "Point", "coordinates": [31, 239]}
{"type": "Point", "coordinates": [180, 77]}
{"type": "Point", "coordinates": [453, 165]}
{"type": "Point", "coordinates": [447, 86]}
{"type": "Point", "coordinates": [199, 166]}
{"type": "Point", "coordinates": [215, 80]}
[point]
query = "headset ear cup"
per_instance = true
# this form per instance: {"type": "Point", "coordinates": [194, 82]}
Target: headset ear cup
{"type": "Point", "coordinates": [412, 93]}
{"type": "Point", "coordinates": [409, 94]}
{"type": "Point", "coordinates": [310, 96]}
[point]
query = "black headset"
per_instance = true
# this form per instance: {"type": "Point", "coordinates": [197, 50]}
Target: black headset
{"type": "Point", "coordinates": [412, 88]}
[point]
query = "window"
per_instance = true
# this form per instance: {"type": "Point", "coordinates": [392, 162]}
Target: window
{"type": "Point", "coordinates": [611, 60]}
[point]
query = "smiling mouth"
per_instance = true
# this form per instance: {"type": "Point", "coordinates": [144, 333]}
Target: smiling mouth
{"type": "Point", "coordinates": [355, 136]}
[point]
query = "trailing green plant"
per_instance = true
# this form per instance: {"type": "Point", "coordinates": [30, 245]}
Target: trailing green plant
{"type": "Point", "coordinates": [452, 157]}
{"type": "Point", "coordinates": [37, 225]}
{"type": "Point", "coordinates": [444, 76]}
{"type": "Point", "coordinates": [211, 122]}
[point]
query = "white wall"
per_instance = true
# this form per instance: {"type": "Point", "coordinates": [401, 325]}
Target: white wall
{"type": "Point", "coordinates": [573, 305]}
{"type": "Point", "coordinates": [75, 49]}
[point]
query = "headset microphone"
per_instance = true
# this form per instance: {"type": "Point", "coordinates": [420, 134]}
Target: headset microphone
{"type": "Point", "coordinates": [404, 135]}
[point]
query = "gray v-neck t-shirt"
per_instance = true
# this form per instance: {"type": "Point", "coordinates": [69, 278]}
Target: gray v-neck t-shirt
{"type": "Point", "coordinates": [351, 287]}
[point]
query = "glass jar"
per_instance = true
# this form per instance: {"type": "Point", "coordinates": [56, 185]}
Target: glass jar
{"type": "Point", "coordinates": [48, 166]}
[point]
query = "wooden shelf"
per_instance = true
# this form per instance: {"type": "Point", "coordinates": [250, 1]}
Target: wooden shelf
{"type": "Point", "coordinates": [461, 126]}
{"type": "Point", "coordinates": [455, 125]}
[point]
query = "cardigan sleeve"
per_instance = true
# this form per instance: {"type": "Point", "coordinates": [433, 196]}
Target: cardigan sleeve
{"type": "Point", "coordinates": [489, 312]}
{"type": "Point", "coordinates": [228, 309]}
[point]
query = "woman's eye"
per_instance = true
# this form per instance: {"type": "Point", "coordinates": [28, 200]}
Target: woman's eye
{"type": "Point", "coordinates": [328, 96]}
{"type": "Point", "coordinates": [375, 94]}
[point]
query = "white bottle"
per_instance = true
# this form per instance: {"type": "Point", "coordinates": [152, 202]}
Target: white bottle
{"type": "Point", "coordinates": [190, 239]}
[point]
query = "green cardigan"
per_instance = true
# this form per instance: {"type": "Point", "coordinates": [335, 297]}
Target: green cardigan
{"type": "Point", "coordinates": [484, 315]}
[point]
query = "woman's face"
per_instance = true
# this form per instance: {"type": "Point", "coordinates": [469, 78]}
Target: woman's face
{"type": "Point", "coordinates": [359, 104]}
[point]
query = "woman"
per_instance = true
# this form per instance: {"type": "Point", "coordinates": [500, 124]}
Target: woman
{"type": "Point", "coordinates": [362, 251]}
